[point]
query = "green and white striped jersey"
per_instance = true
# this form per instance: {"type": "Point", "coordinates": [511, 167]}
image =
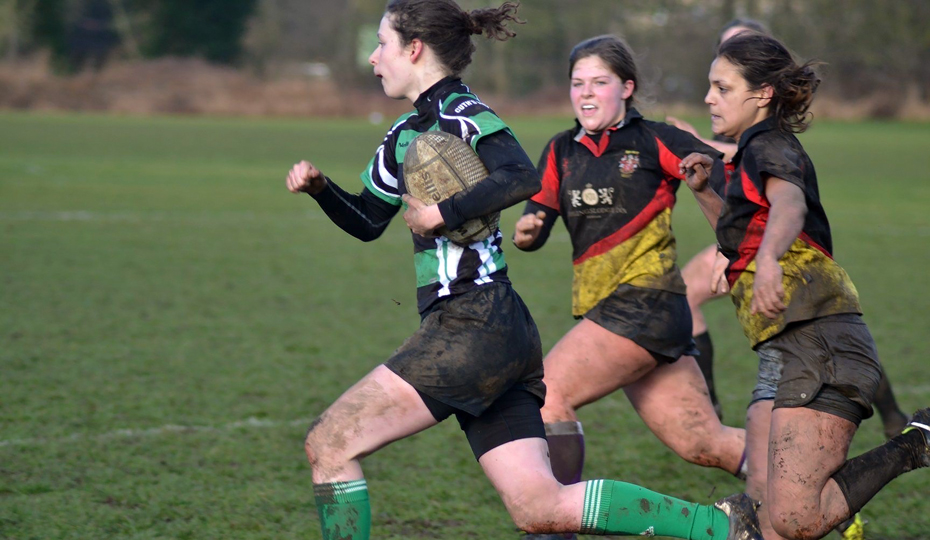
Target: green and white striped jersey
{"type": "Point", "coordinates": [442, 267]}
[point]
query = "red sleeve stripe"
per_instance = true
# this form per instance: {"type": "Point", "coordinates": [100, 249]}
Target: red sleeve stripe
{"type": "Point", "coordinates": [668, 161]}
{"type": "Point", "coordinates": [549, 195]}
{"type": "Point", "coordinates": [664, 198]}
{"type": "Point", "coordinates": [754, 232]}
{"type": "Point", "coordinates": [753, 237]}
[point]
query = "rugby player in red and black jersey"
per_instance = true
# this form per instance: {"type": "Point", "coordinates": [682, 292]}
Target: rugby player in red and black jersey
{"type": "Point", "coordinates": [697, 271]}
{"type": "Point", "coordinates": [612, 179]}
{"type": "Point", "coordinates": [818, 365]}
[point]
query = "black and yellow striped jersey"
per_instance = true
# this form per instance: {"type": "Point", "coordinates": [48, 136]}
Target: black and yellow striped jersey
{"type": "Point", "coordinates": [615, 192]}
{"type": "Point", "coordinates": [815, 285]}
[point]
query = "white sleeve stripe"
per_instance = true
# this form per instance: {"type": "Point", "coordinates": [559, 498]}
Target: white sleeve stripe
{"type": "Point", "coordinates": [463, 123]}
{"type": "Point", "coordinates": [384, 175]}
{"type": "Point", "coordinates": [385, 182]}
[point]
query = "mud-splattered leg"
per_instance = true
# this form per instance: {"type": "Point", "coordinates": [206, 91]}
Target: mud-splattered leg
{"type": "Point", "coordinates": [379, 409]}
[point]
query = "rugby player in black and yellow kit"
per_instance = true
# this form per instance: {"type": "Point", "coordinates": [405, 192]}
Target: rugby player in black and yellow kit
{"type": "Point", "coordinates": [477, 354]}
{"type": "Point", "coordinates": [697, 271]}
{"type": "Point", "coordinates": [612, 179]}
{"type": "Point", "coordinates": [818, 366]}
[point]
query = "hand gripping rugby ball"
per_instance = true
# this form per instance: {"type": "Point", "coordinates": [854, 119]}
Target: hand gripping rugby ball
{"type": "Point", "coordinates": [438, 165]}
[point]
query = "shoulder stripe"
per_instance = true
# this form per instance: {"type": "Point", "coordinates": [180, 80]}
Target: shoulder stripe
{"type": "Point", "coordinates": [383, 181]}
{"type": "Point", "coordinates": [464, 122]}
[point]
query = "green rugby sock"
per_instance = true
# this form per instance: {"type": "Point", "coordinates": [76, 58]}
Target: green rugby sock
{"type": "Point", "coordinates": [344, 510]}
{"type": "Point", "coordinates": [618, 508]}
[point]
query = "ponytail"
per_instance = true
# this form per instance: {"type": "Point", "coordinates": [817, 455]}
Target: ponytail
{"type": "Point", "coordinates": [492, 21]}
{"type": "Point", "coordinates": [794, 93]}
{"type": "Point", "coordinates": [447, 29]}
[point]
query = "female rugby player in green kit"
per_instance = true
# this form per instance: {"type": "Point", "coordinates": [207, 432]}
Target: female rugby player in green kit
{"type": "Point", "coordinates": [818, 366]}
{"type": "Point", "coordinates": [477, 354]}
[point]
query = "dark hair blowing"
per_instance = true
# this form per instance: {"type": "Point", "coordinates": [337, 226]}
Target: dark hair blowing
{"type": "Point", "coordinates": [614, 52]}
{"type": "Point", "coordinates": [763, 60]}
{"type": "Point", "coordinates": [447, 28]}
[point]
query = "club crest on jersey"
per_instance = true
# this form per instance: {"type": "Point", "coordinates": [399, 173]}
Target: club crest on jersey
{"type": "Point", "coordinates": [629, 163]}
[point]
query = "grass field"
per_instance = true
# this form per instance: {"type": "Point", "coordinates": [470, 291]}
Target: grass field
{"type": "Point", "coordinates": [171, 319]}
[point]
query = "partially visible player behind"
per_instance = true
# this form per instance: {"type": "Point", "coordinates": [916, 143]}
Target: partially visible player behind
{"type": "Point", "coordinates": [818, 364]}
{"type": "Point", "coordinates": [477, 354]}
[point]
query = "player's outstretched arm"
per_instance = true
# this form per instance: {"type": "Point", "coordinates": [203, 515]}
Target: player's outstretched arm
{"type": "Point", "coordinates": [364, 216]}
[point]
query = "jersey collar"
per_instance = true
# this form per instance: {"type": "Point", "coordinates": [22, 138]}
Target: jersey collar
{"type": "Point", "coordinates": [760, 127]}
{"type": "Point", "coordinates": [442, 88]}
{"type": "Point", "coordinates": [603, 138]}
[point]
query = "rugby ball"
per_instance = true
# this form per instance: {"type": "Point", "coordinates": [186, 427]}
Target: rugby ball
{"type": "Point", "coordinates": [438, 165]}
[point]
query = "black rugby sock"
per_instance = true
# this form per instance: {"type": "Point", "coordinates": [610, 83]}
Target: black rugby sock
{"type": "Point", "coordinates": [893, 418]}
{"type": "Point", "coordinates": [861, 477]}
{"type": "Point", "coordinates": [705, 361]}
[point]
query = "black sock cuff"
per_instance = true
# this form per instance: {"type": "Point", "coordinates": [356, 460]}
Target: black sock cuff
{"type": "Point", "coordinates": [845, 481]}
{"type": "Point", "coordinates": [704, 346]}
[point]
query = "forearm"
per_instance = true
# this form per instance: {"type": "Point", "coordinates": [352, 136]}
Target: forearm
{"type": "Point", "coordinates": [364, 216]}
{"type": "Point", "coordinates": [710, 204]}
{"type": "Point", "coordinates": [512, 178]}
{"type": "Point", "coordinates": [784, 225]}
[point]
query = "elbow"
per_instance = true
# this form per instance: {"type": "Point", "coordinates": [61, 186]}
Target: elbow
{"type": "Point", "coordinates": [369, 235]}
{"type": "Point", "coordinates": [531, 185]}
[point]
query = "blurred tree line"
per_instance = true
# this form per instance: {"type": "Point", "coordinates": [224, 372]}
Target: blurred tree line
{"type": "Point", "coordinates": [870, 47]}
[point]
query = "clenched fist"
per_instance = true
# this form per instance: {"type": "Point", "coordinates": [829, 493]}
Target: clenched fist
{"type": "Point", "coordinates": [304, 177]}
{"type": "Point", "coordinates": [528, 228]}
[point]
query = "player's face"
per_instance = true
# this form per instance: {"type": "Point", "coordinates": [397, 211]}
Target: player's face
{"type": "Point", "coordinates": [598, 94]}
{"type": "Point", "coordinates": [391, 62]}
{"type": "Point", "coordinates": [734, 108]}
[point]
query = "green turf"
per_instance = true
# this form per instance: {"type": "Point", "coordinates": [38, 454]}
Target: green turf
{"type": "Point", "coordinates": [171, 319]}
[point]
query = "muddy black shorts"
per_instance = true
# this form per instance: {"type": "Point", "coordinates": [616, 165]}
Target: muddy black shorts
{"type": "Point", "coordinates": [658, 321]}
{"type": "Point", "coordinates": [472, 348]}
{"type": "Point", "coordinates": [513, 416]}
{"type": "Point", "coordinates": [828, 364]}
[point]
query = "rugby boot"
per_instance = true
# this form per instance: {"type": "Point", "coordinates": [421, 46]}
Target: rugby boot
{"type": "Point", "coordinates": [741, 511]}
{"type": "Point", "coordinates": [853, 528]}
{"type": "Point", "coordinates": [921, 422]}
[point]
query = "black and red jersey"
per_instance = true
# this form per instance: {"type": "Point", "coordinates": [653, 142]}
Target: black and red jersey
{"type": "Point", "coordinates": [815, 286]}
{"type": "Point", "coordinates": [615, 192]}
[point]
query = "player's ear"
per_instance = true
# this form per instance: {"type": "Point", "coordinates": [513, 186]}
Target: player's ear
{"type": "Point", "coordinates": [416, 49]}
{"type": "Point", "coordinates": [765, 96]}
{"type": "Point", "coordinates": [628, 87]}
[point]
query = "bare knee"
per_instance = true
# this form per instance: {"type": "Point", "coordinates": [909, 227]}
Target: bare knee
{"type": "Point", "coordinates": [697, 450]}
{"type": "Point", "coordinates": [326, 450]}
{"type": "Point", "coordinates": [536, 511]}
{"type": "Point", "coordinates": [531, 520]}
{"type": "Point", "coordinates": [312, 443]}
{"type": "Point", "coordinates": [793, 530]}
{"type": "Point", "coordinates": [797, 523]}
